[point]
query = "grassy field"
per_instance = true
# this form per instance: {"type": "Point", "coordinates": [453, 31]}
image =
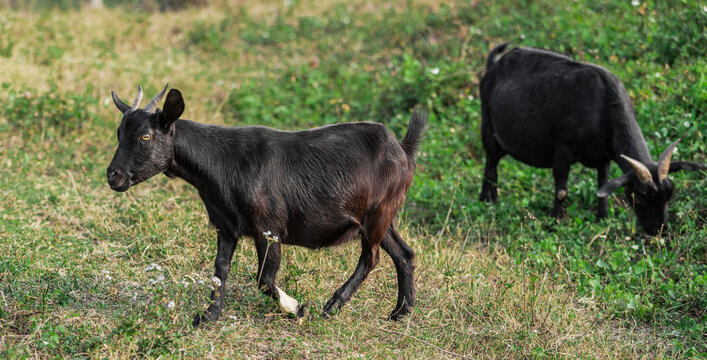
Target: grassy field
{"type": "Point", "coordinates": [86, 272]}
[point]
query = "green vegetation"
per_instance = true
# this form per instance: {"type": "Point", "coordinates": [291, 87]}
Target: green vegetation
{"type": "Point", "coordinates": [494, 281]}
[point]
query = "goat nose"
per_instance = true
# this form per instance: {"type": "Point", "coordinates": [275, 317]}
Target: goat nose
{"type": "Point", "coordinates": [111, 174]}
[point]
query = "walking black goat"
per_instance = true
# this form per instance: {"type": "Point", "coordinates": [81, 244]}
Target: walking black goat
{"type": "Point", "coordinates": [549, 111]}
{"type": "Point", "coordinates": [312, 188]}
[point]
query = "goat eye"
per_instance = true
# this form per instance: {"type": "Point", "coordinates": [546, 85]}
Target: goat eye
{"type": "Point", "coordinates": [146, 137]}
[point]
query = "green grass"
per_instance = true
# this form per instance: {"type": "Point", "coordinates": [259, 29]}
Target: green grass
{"type": "Point", "coordinates": [494, 281]}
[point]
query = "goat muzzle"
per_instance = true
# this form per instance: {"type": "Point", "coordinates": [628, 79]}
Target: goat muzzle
{"type": "Point", "coordinates": [118, 181]}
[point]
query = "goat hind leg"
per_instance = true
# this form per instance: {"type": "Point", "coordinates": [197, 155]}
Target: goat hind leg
{"type": "Point", "coordinates": [494, 153]}
{"type": "Point", "coordinates": [402, 257]}
{"type": "Point", "coordinates": [366, 262]}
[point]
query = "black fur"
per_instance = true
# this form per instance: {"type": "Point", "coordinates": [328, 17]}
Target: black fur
{"type": "Point", "coordinates": [312, 188]}
{"type": "Point", "coordinates": [550, 111]}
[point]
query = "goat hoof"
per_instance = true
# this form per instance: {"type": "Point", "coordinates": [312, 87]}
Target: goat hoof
{"type": "Point", "coordinates": [488, 197]}
{"type": "Point", "coordinates": [328, 312]}
{"type": "Point", "coordinates": [559, 213]}
{"type": "Point", "coordinates": [198, 320]}
{"type": "Point", "coordinates": [201, 319]}
{"type": "Point", "coordinates": [399, 313]}
{"type": "Point", "coordinates": [301, 315]}
{"type": "Point", "coordinates": [332, 305]}
{"type": "Point", "coordinates": [302, 311]}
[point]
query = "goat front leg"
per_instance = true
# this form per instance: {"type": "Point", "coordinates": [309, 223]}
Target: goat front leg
{"type": "Point", "coordinates": [224, 255]}
{"type": "Point", "coordinates": [560, 171]}
{"type": "Point", "coordinates": [602, 178]}
{"type": "Point", "coordinates": [268, 265]}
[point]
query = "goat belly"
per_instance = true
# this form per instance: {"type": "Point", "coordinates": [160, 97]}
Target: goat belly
{"type": "Point", "coordinates": [321, 232]}
{"type": "Point", "coordinates": [527, 150]}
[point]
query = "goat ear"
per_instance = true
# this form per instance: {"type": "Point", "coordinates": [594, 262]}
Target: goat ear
{"type": "Point", "coordinates": [612, 185]}
{"type": "Point", "coordinates": [686, 165]}
{"type": "Point", "coordinates": [123, 107]}
{"type": "Point", "coordinates": [173, 108]}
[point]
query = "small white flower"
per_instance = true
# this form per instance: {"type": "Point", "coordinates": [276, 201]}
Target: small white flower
{"type": "Point", "coordinates": [434, 71]}
{"type": "Point", "coordinates": [170, 305]}
{"type": "Point", "coordinates": [233, 317]}
{"type": "Point", "coordinates": [153, 266]}
{"type": "Point", "coordinates": [201, 282]}
{"type": "Point", "coordinates": [185, 283]}
{"type": "Point", "coordinates": [105, 272]}
{"type": "Point", "coordinates": [216, 281]}
{"type": "Point", "coordinates": [108, 277]}
{"type": "Point", "coordinates": [522, 36]}
{"type": "Point", "coordinates": [155, 281]}
{"type": "Point", "coordinates": [267, 233]}
{"type": "Point", "coordinates": [635, 2]}
{"type": "Point", "coordinates": [134, 297]}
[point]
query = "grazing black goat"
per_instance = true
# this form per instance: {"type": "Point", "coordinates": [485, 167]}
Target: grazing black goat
{"type": "Point", "coordinates": [549, 111]}
{"type": "Point", "coordinates": [312, 188]}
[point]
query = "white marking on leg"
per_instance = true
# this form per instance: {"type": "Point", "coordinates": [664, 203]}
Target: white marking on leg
{"type": "Point", "coordinates": [287, 304]}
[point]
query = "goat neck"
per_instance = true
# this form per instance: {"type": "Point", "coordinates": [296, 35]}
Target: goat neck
{"type": "Point", "coordinates": [627, 138]}
{"type": "Point", "coordinates": [194, 156]}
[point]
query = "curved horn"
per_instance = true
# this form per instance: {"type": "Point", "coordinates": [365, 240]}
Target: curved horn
{"type": "Point", "coordinates": [664, 162]}
{"type": "Point", "coordinates": [152, 105]}
{"type": "Point", "coordinates": [122, 106]}
{"type": "Point", "coordinates": [138, 98]}
{"type": "Point", "coordinates": [641, 171]}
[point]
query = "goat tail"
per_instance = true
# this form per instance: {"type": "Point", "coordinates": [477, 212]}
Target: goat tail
{"type": "Point", "coordinates": [495, 54]}
{"type": "Point", "coordinates": [417, 125]}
